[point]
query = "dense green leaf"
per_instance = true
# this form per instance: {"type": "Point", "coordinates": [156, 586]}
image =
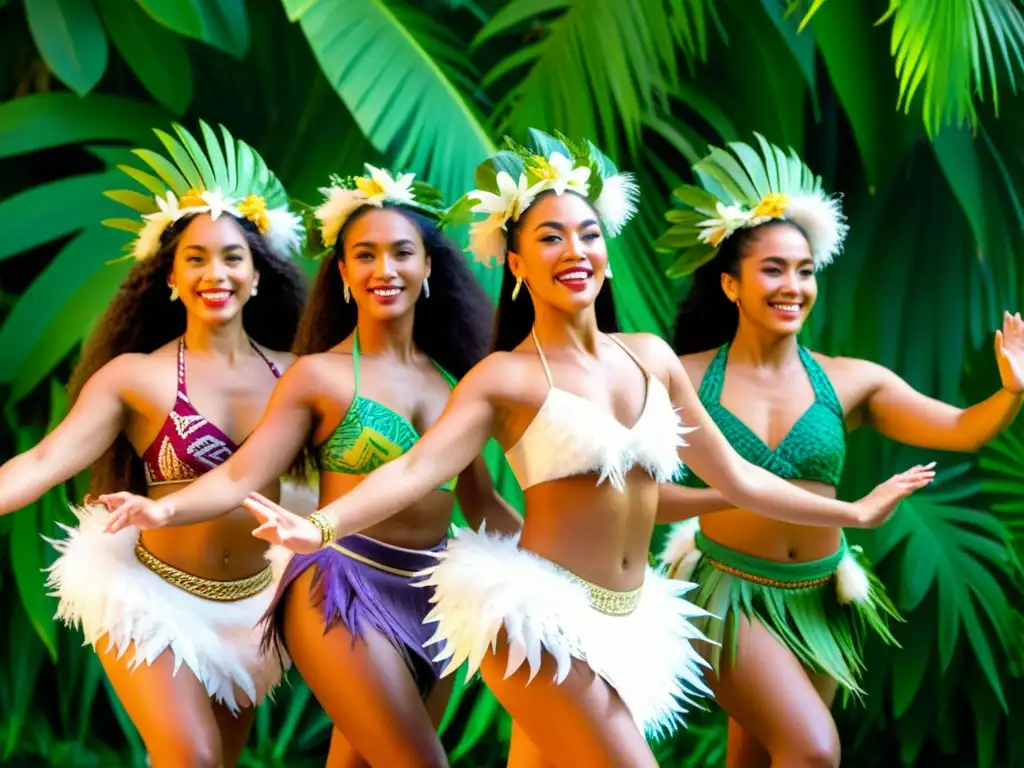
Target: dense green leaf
{"type": "Point", "coordinates": [70, 38]}
{"type": "Point", "coordinates": [157, 57]}
{"type": "Point", "coordinates": [30, 320]}
{"type": "Point", "coordinates": [408, 103]}
{"type": "Point", "coordinates": [223, 24]}
{"type": "Point", "coordinates": [47, 120]}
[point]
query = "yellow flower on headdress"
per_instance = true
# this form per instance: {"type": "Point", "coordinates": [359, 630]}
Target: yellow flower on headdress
{"type": "Point", "coordinates": [193, 198]}
{"type": "Point", "coordinates": [368, 187]}
{"type": "Point", "coordinates": [541, 168]}
{"type": "Point", "coordinates": [558, 173]}
{"type": "Point", "coordinates": [254, 208]}
{"type": "Point", "coordinates": [772, 206]}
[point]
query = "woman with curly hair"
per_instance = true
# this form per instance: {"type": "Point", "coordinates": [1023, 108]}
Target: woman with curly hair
{"type": "Point", "coordinates": [394, 320]}
{"type": "Point", "coordinates": [796, 602]}
{"type": "Point", "coordinates": [175, 376]}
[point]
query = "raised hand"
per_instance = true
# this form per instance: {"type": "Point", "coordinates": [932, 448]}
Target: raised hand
{"type": "Point", "coordinates": [281, 527]}
{"type": "Point", "coordinates": [878, 505]}
{"type": "Point", "coordinates": [1010, 353]}
{"type": "Point", "coordinates": [130, 509]}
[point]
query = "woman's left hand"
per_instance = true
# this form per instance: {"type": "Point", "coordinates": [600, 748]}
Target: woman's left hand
{"type": "Point", "coordinates": [283, 528]}
{"type": "Point", "coordinates": [1010, 353]}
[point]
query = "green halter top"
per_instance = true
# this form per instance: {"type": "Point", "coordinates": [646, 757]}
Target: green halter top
{"type": "Point", "coordinates": [813, 449]}
{"type": "Point", "coordinates": [371, 434]}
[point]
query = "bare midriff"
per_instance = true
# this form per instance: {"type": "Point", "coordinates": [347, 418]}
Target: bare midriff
{"type": "Point", "coordinates": [769, 539]}
{"type": "Point", "coordinates": [221, 549]}
{"type": "Point", "coordinates": [598, 533]}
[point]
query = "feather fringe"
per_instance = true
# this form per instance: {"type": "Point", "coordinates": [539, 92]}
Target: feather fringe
{"type": "Point", "coordinates": [102, 587]}
{"type": "Point", "coordinates": [485, 583]}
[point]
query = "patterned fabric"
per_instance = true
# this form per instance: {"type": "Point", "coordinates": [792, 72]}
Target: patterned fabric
{"type": "Point", "coordinates": [813, 449]}
{"type": "Point", "coordinates": [570, 436]}
{"type": "Point", "coordinates": [188, 445]}
{"type": "Point", "coordinates": [371, 434]}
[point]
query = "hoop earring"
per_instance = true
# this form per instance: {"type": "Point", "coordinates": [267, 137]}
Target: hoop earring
{"type": "Point", "coordinates": [174, 293]}
{"type": "Point", "coordinates": [347, 293]}
{"type": "Point", "coordinates": [515, 291]}
{"type": "Point", "coordinates": [426, 289]}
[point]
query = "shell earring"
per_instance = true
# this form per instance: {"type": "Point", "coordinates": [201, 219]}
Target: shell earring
{"type": "Point", "coordinates": [174, 293]}
{"type": "Point", "coordinates": [515, 291]}
{"type": "Point", "coordinates": [347, 293]}
{"type": "Point", "coordinates": [255, 289]}
{"type": "Point", "coordinates": [426, 289]}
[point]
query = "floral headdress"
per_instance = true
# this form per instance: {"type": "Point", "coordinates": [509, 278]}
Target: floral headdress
{"type": "Point", "coordinates": [745, 191]}
{"type": "Point", "coordinates": [347, 195]}
{"type": "Point", "coordinates": [232, 178]}
{"type": "Point", "coordinates": [509, 182]}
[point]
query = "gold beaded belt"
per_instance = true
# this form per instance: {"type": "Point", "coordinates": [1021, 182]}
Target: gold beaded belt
{"type": "Point", "coordinates": [771, 582]}
{"type": "Point", "coordinates": [606, 601]}
{"type": "Point", "coordinates": [208, 589]}
{"type": "Point", "coordinates": [372, 563]}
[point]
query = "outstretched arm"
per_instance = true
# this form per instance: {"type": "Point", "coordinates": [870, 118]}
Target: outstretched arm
{"type": "Point", "coordinates": [91, 427]}
{"type": "Point", "coordinates": [745, 485]}
{"type": "Point", "coordinates": [445, 449]}
{"type": "Point", "coordinates": [898, 411]}
{"type": "Point", "coordinates": [263, 458]}
{"type": "Point", "coordinates": [481, 501]}
{"type": "Point", "coordinates": [677, 502]}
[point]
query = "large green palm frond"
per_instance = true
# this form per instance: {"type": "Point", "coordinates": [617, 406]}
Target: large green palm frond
{"type": "Point", "coordinates": [404, 77]}
{"type": "Point", "coordinates": [951, 48]}
{"type": "Point", "coordinates": [597, 65]}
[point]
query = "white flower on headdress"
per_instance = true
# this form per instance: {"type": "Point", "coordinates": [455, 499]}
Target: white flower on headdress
{"type": "Point", "coordinates": [148, 241]}
{"type": "Point", "coordinates": [216, 202]}
{"type": "Point", "coordinates": [557, 173]}
{"type": "Point", "coordinates": [382, 186]}
{"type": "Point", "coordinates": [510, 202]}
{"type": "Point", "coordinates": [729, 219]}
{"type": "Point", "coordinates": [616, 204]}
{"type": "Point", "coordinates": [335, 210]}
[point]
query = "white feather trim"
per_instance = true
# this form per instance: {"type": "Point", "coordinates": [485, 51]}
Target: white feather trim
{"type": "Point", "coordinates": [852, 585]}
{"type": "Point", "coordinates": [338, 205]}
{"type": "Point", "coordinates": [300, 498]}
{"type": "Point", "coordinates": [487, 241]}
{"type": "Point", "coordinates": [485, 582]}
{"type": "Point", "coordinates": [680, 542]}
{"type": "Point", "coordinates": [617, 202]}
{"type": "Point", "coordinates": [822, 219]}
{"type": "Point", "coordinates": [102, 586]}
{"type": "Point", "coordinates": [284, 237]}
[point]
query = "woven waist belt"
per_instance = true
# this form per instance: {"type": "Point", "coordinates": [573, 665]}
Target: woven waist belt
{"type": "Point", "coordinates": [770, 573]}
{"type": "Point", "coordinates": [208, 589]}
{"type": "Point", "coordinates": [606, 601]}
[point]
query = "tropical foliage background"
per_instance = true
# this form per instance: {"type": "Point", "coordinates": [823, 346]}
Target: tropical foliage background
{"type": "Point", "coordinates": [908, 107]}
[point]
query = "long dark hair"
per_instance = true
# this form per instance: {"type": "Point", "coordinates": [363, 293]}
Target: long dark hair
{"type": "Point", "coordinates": [514, 319]}
{"type": "Point", "coordinates": [707, 319]}
{"type": "Point", "coordinates": [452, 326]}
{"type": "Point", "coordinates": [141, 319]}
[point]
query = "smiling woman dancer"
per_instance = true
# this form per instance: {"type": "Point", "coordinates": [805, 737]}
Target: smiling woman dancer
{"type": "Point", "coordinates": [795, 600]}
{"type": "Point", "coordinates": [395, 318]}
{"type": "Point", "coordinates": [176, 374]}
{"type": "Point", "coordinates": [588, 424]}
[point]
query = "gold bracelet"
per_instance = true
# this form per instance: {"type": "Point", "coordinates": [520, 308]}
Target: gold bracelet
{"type": "Point", "coordinates": [327, 533]}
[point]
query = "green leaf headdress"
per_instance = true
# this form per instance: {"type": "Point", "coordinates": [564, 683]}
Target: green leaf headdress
{"type": "Point", "coordinates": [745, 189]}
{"type": "Point", "coordinates": [508, 183]}
{"type": "Point", "coordinates": [232, 178]}
{"type": "Point", "coordinates": [347, 195]}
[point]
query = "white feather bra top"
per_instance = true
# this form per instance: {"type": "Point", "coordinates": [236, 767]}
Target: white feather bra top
{"type": "Point", "coordinates": [571, 436]}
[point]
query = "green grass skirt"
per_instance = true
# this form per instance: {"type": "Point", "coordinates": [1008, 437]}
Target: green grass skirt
{"type": "Point", "coordinates": [797, 602]}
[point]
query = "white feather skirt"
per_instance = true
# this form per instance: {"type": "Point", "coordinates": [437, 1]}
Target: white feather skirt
{"type": "Point", "coordinates": [485, 583]}
{"type": "Point", "coordinates": [103, 588]}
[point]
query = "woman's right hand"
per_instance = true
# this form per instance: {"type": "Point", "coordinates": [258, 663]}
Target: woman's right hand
{"type": "Point", "coordinates": [875, 508]}
{"type": "Point", "coordinates": [129, 509]}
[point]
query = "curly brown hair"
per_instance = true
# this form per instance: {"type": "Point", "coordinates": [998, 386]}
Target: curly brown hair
{"type": "Point", "coordinates": [141, 319]}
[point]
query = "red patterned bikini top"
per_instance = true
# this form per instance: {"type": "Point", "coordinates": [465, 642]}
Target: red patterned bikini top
{"type": "Point", "coordinates": [188, 445]}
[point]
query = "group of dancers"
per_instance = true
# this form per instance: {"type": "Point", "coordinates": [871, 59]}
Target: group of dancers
{"type": "Point", "coordinates": [212, 382]}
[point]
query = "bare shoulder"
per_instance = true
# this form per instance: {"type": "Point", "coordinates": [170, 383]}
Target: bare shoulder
{"type": "Point", "coordinates": [653, 351]}
{"type": "Point", "coordinates": [864, 372]}
{"type": "Point", "coordinates": [283, 360]}
{"type": "Point", "coordinates": [502, 373]}
{"type": "Point", "coordinates": [696, 364]}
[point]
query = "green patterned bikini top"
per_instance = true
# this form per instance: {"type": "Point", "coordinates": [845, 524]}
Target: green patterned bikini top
{"type": "Point", "coordinates": [371, 434]}
{"type": "Point", "coordinates": [813, 449]}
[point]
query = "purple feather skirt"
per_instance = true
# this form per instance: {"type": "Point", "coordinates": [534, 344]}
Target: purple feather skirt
{"type": "Point", "coordinates": [358, 596]}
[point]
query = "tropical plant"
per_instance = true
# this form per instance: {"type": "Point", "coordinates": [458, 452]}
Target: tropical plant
{"type": "Point", "coordinates": [908, 107]}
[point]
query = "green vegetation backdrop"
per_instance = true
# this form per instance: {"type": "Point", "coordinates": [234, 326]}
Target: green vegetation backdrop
{"type": "Point", "coordinates": [908, 107]}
